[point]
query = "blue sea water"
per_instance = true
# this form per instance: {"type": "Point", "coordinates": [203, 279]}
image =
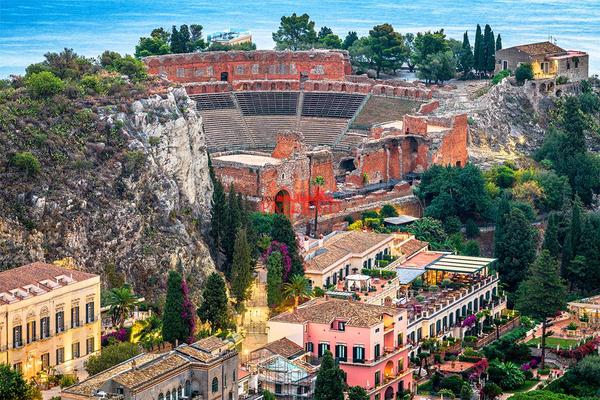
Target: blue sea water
{"type": "Point", "coordinates": [29, 28]}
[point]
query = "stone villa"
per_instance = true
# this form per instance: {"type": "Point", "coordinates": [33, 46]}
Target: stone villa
{"type": "Point", "coordinates": [547, 59]}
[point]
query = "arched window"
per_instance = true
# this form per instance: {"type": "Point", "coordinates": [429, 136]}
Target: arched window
{"type": "Point", "coordinates": [180, 392]}
{"type": "Point", "coordinates": [215, 385]}
{"type": "Point", "coordinates": [168, 396]}
{"type": "Point", "coordinates": [161, 397]}
{"type": "Point", "coordinates": [175, 394]}
{"type": "Point", "coordinates": [188, 388]}
{"type": "Point", "coordinates": [234, 375]}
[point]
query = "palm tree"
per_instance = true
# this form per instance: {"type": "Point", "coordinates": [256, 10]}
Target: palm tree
{"type": "Point", "coordinates": [149, 332]}
{"type": "Point", "coordinates": [121, 301]}
{"type": "Point", "coordinates": [317, 181]}
{"type": "Point", "coordinates": [298, 287]}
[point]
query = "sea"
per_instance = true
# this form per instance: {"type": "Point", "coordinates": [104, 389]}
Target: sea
{"type": "Point", "coordinates": [30, 28]}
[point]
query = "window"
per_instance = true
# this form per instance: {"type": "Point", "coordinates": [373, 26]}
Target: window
{"type": "Point", "coordinates": [18, 366]}
{"type": "Point", "coordinates": [431, 330]}
{"type": "Point", "coordinates": [358, 354]}
{"type": "Point", "coordinates": [377, 378]}
{"type": "Point", "coordinates": [224, 380]}
{"type": "Point", "coordinates": [378, 396]}
{"type": "Point", "coordinates": [168, 395]}
{"type": "Point", "coordinates": [322, 348]}
{"type": "Point", "coordinates": [45, 327]}
{"type": "Point", "coordinates": [400, 365]}
{"type": "Point", "coordinates": [278, 388]}
{"type": "Point", "coordinates": [188, 388]}
{"type": "Point", "coordinates": [327, 282]}
{"type": "Point", "coordinates": [576, 62]}
{"type": "Point", "coordinates": [89, 345]}
{"type": "Point", "coordinates": [215, 385]}
{"type": "Point", "coordinates": [45, 361]}
{"type": "Point", "coordinates": [75, 317]}
{"type": "Point", "coordinates": [377, 350]}
{"type": "Point", "coordinates": [341, 326]}
{"type": "Point", "coordinates": [89, 312]}
{"type": "Point", "coordinates": [568, 65]}
{"type": "Point", "coordinates": [341, 352]}
{"type": "Point", "coordinates": [309, 346]}
{"type": "Point", "coordinates": [419, 334]}
{"type": "Point", "coordinates": [60, 355]}
{"type": "Point", "coordinates": [233, 376]}
{"type": "Point", "coordinates": [180, 74]}
{"type": "Point", "coordinates": [17, 336]}
{"type": "Point", "coordinates": [400, 339]}
{"type": "Point", "coordinates": [75, 350]}
{"type": "Point", "coordinates": [31, 331]}
{"type": "Point", "coordinates": [504, 65]}
{"type": "Point", "coordinates": [60, 321]}
{"type": "Point", "coordinates": [334, 278]}
{"type": "Point", "coordinates": [347, 269]}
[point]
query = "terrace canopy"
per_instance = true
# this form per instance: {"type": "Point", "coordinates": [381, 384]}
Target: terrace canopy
{"type": "Point", "coordinates": [407, 275]}
{"type": "Point", "coordinates": [460, 264]}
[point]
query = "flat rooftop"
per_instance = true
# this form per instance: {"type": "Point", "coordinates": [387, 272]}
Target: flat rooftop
{"type": "Point", "coordinates": [250, 159]}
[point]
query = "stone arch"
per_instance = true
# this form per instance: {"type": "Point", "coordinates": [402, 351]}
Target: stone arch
{"type": "Point", "coordinates": [343, 87]}
{"type": "Point", "coordinates": [288, 86]}
{"type": "Point", "coordinates": [273, 86]}
{"type": "Point", "coordinates": [258, 85]}
{"type": "Point", "coordinates": [388, 371]}
{"type": "Point", "coordinates": [382, 90]}
{"type": "Point", "coordinates": [203, 89]}
{"type": "Point", "coordinates": [330, 87]}
{"type": "Point", "coordinates": [244, 86]}
{"type": "Point", "coordinates": [316, 86]}
{"type": "Point", "coordinates": [282, 202]}
{"type": "Point", "coordinates": [543, 88]}
{"type": "Point", "coordinates": [559, 93]}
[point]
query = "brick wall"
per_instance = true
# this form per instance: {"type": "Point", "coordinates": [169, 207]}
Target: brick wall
{"type": "Point", "coordinates": [251, 65]}
{"type": "Point", "coordinates": [453, 150]}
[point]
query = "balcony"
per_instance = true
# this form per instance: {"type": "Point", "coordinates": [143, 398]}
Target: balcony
{"type": "Point", "coordinates": [388, 353]}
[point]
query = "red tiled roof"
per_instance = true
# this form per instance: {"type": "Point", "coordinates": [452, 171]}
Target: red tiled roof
{"type": "Point", "coordinates": [32, 274]}
{"type": "Point", "coordinates": [422, 259]}
{"type": "Point", "coordinates": [412, 246]}
{"type": "Point", "coordinates": [324, 311]}
{"type": "Point", "coordinates": [284, 347]}
{"type": "Point", "coordinates": [540, 48]}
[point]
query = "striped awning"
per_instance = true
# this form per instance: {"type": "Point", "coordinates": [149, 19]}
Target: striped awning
{"type": "Point", "coordinates": [460, 264]}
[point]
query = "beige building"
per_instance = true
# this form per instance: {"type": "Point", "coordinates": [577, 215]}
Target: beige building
{"type": "Point", "coordinates": [344, 253]}
{"type": "Point", "coordinates": [49, 318]}
{"type": "Point", "coordinates": [205, 370]}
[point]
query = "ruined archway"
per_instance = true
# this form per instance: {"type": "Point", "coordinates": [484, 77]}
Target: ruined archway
{"type": "Point", "coordinates": [282, 203]}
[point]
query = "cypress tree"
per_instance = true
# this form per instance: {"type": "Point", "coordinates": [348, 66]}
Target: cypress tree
{"type": "Point", "coordinates": [571, 242]}
{"type": "Point", "coordinates": [178, 325]}
{"type": "Point", "coordinates": [274, 278]}
{"type": "Point", "coordinates": [214, 308]}
{"type": "Point", "coordinates": [543, 293]}
{"type": "Point", "coordinates": [330, 380]}
{"type": "Point", "coordinates": [551, 242]}
{"type": "Point", "coordinates": [491, 56]}
{"type": "Point", "coordinates": [489, 50]}
{"type": "Point", "coordinates": [283, 232]}
{"type": "Point", "coordinates": [218, 211]}
{"type": "Point", "coordinates": [242, 268]}
{"type": "Point", "coordinates": [478, 52]}
{"type": "Point", "coordinates": [498, 42]}
{"type": "Point", "coordinates": [231, 228]}
{"type": "Point", "coordinates": [515, 248]}
{"type": "Point", "coordinates": [466, 56]}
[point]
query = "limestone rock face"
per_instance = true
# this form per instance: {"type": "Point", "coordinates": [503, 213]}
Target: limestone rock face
{"type": "Point", "coordinates": [504, 123]}
{"type": "Point", "coordinates": [139, 210]}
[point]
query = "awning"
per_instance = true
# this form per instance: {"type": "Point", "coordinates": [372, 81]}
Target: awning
{"type": "Point", "coordinates": [400, 220]}
{"type": "Point", "coordinates": [460, 264]}
{"type": "Point", "coordinates": [407, 275]}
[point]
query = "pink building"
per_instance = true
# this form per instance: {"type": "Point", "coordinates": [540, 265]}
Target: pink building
{"type": "Point", "coordinates": [367, 340]}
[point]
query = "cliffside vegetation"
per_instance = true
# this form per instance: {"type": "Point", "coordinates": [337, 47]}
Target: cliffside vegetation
{"type": "Point", "coordinates": [86, 176]}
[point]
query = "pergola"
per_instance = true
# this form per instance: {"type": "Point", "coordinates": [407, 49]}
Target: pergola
{"type": "Point", "coordinates": [455, 264]}
{"type": "Point", "coordinates": [358, 283]}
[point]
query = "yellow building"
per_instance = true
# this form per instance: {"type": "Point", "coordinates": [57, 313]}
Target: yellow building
{"type": "Point", "coordinates": [49, 318]}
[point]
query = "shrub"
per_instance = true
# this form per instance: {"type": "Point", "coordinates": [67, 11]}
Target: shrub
{"type": "Point", "coordinates": [67, 380]}
{"type": "Point", "coordinates": [388, 210]}
{"type": "Point", "coordinates": [499, 76]}
{"type": "Point", "coordinates": [572, 326]}
{"type": "Point", "coordinates": [471, 248]}
{"type": "Point", "coordinates": [544, 371]}
{"type": "Point", "coordinates": [466, 392]}
{"type": "Point", "coordinates": [524, 72]}
{"type": "Point", "coordinates": [92, 83]}
{"type": "Point", "coordinates": [110, 356]}
{"type": "Point", "coordinates": [446, 394]}
{"type": "Point", "coordinates": [561, 80]}
{"type": "Point", "coordinates": [453, 383]}
{"type": "Point", "coordinates": [44, 84]}
{"type": "Point", "coordinates": [452, 224]}
{"type": "Point", "coordinates": [492, 390]}
{"type": "Point", "coordinates": [26, 162]}
{"type": "Point", "coordinates": [471, 229]}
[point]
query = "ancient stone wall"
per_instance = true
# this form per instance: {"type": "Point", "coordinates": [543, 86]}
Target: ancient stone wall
{"type": "Point", "coordinates": [251, 65]}
{"type": "Point", "coordinates": [453, 149]}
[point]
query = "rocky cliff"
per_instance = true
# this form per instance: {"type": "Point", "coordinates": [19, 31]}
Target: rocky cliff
{"type": "Point", "coordinates": [132, 196]}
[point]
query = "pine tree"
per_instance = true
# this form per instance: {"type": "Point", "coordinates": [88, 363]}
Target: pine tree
{"type": "Point", "coordinates": [274, 278]}
{"type": "Point", "coordinates": [478, 53]}
{"type": "Point", "coordinates": [330, 380]}
{"type": "Point", "coordinates": [542, 294]}
{"type": "Point", "coordinates": [466, 56]}
{"type": "Point", "coordinates": [242, 268]}
{"type": "Point", "coordinates": [514, 248]}
{"type": "Point", "coordinates": [214, 308]}
{"type": "Point", "coordinates": [551, 242]}
{"type": "Point", "coordinates": [218, 211]}
{"type": "Point", "coordinates": [178, 326]}
{"type": "Point", "coordinates": [498, 42]}
{"type": "Point", "coordinates": [231, 228]}
{"type": "Point", "coordinates": [349, 40]}
{"type": "Point", "coordinates": [283, 232]}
